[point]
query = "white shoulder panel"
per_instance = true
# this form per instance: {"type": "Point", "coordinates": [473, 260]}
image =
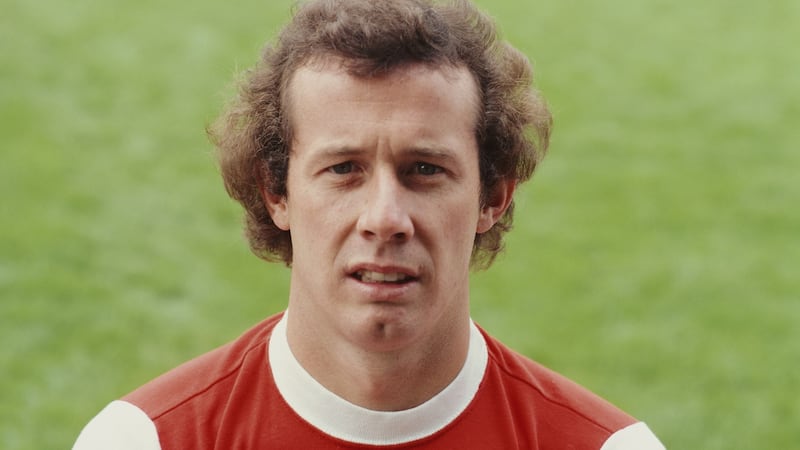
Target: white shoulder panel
{"type": "Point", "coordinates": [119, 426]}
{"type": "Point", "coordinates": [634, 437]}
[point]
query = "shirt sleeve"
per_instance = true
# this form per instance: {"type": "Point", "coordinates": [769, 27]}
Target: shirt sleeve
{"type": "Point", "coordinates": [119, 426]}
{"type": "Point", "coordinates": [634, 437]}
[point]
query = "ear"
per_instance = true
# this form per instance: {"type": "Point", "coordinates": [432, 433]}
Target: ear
{"type": "Point", "coordinates": [496, 205]}
{"type": "Point", "coordinates": [278, 208]}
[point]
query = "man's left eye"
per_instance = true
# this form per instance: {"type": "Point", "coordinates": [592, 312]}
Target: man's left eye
{"type": "Point", "coordinates": [426, 169]}
{"type": "Point", "coordinates": [342, 168]}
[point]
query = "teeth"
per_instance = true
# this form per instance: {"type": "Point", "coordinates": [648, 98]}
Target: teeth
{"type": "Point", "coordinates": [377, 277]}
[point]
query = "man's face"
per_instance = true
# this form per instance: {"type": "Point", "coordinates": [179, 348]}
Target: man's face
{"type": "Point", "coordinates": [383, 203]}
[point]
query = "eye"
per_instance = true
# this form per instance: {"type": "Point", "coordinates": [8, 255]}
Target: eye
{"type": "Point", "coordinates": [422, 168]}
{"type": "Point", "coordinates": [342, 168]}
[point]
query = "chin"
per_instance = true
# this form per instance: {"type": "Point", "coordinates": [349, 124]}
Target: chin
{"type": "Point", "coordinates": [384, 334]}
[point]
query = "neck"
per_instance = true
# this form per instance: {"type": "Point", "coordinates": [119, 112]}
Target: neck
{"type": "Point", "coordinates": [379, 379]}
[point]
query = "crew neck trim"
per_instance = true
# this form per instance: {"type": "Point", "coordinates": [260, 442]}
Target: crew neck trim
{"type": "Point", "coordinates": [341, 419]}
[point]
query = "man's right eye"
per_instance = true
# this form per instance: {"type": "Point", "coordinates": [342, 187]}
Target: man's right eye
{"type": "Point", "coordinates": [342, 168]}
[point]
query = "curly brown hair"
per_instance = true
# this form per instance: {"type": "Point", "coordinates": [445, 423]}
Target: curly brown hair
{"type": "Point", "coordinates": [374, 37]}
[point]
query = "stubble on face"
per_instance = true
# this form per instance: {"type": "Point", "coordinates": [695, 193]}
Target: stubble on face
{"type": "Point", "coordinates": [383, 178]}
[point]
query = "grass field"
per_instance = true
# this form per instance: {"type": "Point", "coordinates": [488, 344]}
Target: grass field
{"type": "Point", "coordinates": [654, 257]}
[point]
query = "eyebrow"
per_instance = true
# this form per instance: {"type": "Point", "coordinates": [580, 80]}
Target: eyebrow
{"type": "Point", "coordinates": [425, 152]}
{"type": "Point", "coordinates": [432, 152]}
{"type": "Point", "coordinates": [334, 151]}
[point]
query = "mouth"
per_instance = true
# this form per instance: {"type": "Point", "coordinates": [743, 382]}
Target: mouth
{"type": "Point", "coordinates": [368, 276]}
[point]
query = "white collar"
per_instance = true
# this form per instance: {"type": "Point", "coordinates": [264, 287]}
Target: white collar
{"type": "Point", "coordinates": [341, 419]}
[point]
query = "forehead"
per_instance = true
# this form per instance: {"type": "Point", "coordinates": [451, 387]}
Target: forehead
{"type": "Point", "coordinates": [329, 79]}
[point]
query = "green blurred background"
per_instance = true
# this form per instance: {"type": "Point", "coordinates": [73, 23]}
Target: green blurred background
{"type": "Point", "coordinates": [654, 257]}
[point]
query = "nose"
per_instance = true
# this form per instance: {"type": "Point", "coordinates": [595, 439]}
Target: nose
{"type": "Point", "coordinates": [385, 216]}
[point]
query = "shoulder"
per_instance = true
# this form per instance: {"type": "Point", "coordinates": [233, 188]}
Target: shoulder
{"type": "Point", "coordinates": [182, 399]}
{"type": "Point", "coordinates": [205, 375]}
{"type": "Point", "coordinates": [119, 426]}
{"type": "Point", "coordinates": [633, 437]}
{"type": "Point", "coordinates": [559, 408]}
{"type": "Point", "coordinates": [553, 391]}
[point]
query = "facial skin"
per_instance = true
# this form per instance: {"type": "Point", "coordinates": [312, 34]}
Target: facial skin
{"type": "Point", "coordinates": [383, 207]}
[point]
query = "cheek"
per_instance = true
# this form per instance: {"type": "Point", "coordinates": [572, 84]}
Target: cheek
{"type": "Point", "coordinates": [458, 227]}
{"type": "Point", "coordinates": [320, 222]}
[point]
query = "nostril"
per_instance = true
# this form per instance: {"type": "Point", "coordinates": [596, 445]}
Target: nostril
{"type": "Point", "coordinates": [399, 236]}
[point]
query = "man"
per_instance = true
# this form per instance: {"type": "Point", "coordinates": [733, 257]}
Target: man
{"type": "Point", "coordinates": [376, 150]}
